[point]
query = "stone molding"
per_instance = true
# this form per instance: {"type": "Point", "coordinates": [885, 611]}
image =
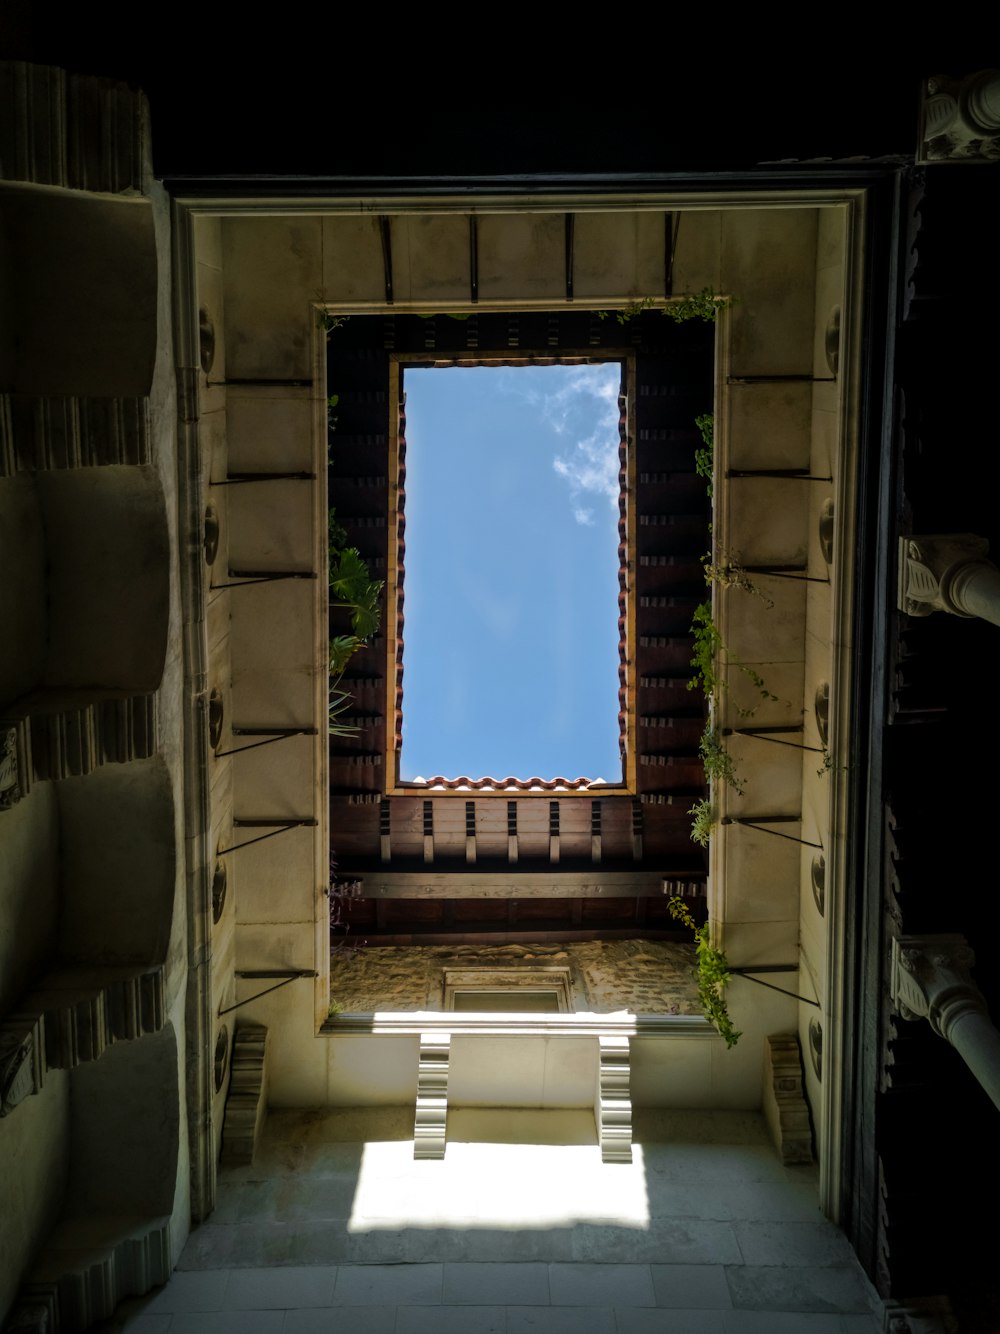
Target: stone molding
{"type": "Point", "coordinates": [948, 572]}
{"type": "Point", "coordinates": [613, 1104]}
{"type": "Point", "coordinates": [246, 1105]}
{"type": "Point", "coordinates": [417, 1023]}
{"type": "Point", "coordinates": [73, 1017]}
{"type": "Point", "coordinates": [960, 118]}
{"type": "Point", "coordinates": [431, 1120]}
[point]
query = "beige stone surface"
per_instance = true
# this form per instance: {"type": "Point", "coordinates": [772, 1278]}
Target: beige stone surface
{"type": "Point", "coordinates": [641, 976]}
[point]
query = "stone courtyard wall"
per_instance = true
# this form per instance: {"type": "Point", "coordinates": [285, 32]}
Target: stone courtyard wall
{"type": "Point", "coordinates": [641, 976]}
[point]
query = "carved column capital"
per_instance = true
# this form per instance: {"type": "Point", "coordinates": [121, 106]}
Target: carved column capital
{"type": "Point", "coordinates": [960, 118]}
{"type": "Point", "coordinates": [930, 565]}
{"type": "Point", "coordinates": [931, 980]}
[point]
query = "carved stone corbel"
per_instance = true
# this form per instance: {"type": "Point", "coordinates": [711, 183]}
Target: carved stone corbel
{"type": "Point", "coordinates": [931, 980]}
{"type": "Point", "coordinates": [948, 572]}
{"type": "Point", "coordinates": [614, 1099]}
{"type": "Point", "coordinates": [431, 1119]}
{"type": "Point", "coordinates": [960, 118]}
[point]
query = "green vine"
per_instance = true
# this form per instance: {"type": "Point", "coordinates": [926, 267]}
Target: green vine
{"type": "Point", "coordinates": [328, 322]}
{"type": "Point", "coordinates": [352, 588]}
{"type": "Point", "coordinates": [703, 822]}
{"type": "Point", "coordinates": [703, 305]}
{"type": "Point", "coordinates": [713, 973]}
{"type": "Point", "coordinates": [718, 763]}
{"type": "Point", "coordinates": [704, 459]}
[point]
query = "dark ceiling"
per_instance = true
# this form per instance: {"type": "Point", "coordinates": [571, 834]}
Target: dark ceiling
{"type": "Point", "coordinates": [332, 95]}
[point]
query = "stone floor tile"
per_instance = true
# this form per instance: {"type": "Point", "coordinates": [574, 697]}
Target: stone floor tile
{"type": "Point", "coordinates": [691, 1287]}
{"type": "Point", "coordinates": [658, 1320]}
{"type": "Point", "coordinates": [510, 1284]}
{"type": "Point", "coordinates": [560, 1320]}
{"type": "Point", "coordinates": [779, 1322]}
{"type": "Point", "coordinates": [256, 1245]}
{"type": "Point", "coordinates": [792, 1244]}
{"type": "Point", "coordinates": [208, 1247]}
{"type": "Point", "coordinates": [666, 1241]}
{"type": "Point", "coordinates": [147, 1322]}
{"type": "Point", "coordinates": [584, 1284]}
{"type": "Point", "coordinates": [384, 1285]}
{"type": "Point", "coordinates": [341, 1320]}
{"type": "Point", "coordinates": [861, 1324]}
{"type": "Point", "coordinates": [203, 1290]}
{"type": "Point", "coordinates": [227, 1322]}
{"type": "Point", "coordinates": [282, 1287]}
{"type": "Point", "coordinates": [451, 1320]}
{"type": "Point", "coordinates": [798, 1288]}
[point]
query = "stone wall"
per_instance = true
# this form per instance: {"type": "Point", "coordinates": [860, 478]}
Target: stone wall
{"type": "Point", "coordinates": [641, 976]}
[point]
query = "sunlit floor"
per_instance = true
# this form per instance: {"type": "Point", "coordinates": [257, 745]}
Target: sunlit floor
{"type": "Point", "coordinates": [520, 1227]}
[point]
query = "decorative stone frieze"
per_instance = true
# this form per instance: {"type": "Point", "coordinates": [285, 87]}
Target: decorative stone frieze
{"type": "Point", "coordinates": [613, 1104]}
{"type": "Point", "coordinates": [431, 1121]}
{"type": "Point", "coordinates": [785, 1109]}
{"type": "Point", "coordinates": [246, 1105]}
{"type": "Point", "coordinates": [73, 1017]}
{"type": "Point", "coordinates": [948, 572]}
{"type": "Point", "coordinates": [72, 130]}
{"type": "Point", "coordinates": [73, 741]}
{"type": "Point", "coordinates": [41, 432]}
{"type": "Point", "coordinates": [960, 118]}
{"type": "Point", "coordinates": [931, 980]}
{"type": "Point", "coordinates": [81, 1284]}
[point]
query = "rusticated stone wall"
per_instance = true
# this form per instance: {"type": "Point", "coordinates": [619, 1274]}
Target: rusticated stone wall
{"type": "Point", "coordinates": [641, 976]}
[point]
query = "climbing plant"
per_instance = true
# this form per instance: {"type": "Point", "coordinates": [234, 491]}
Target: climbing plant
{"type": "Point", "coordinates": [713, 973]}
{"type": "Point", "coordinates": [351, 588]}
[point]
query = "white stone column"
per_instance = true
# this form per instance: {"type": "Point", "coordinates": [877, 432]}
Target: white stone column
{"type": "Point", "coordinates": [948, 572]}
{"type": "Point", "coordinates": [931, 980]}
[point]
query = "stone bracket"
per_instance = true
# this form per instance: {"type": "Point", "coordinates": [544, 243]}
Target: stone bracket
{"type": "Point", "coordinates": [928, 569]}
{"type": "Point", "coordinates": [960, 118]}
{"type": "Point", "coordinates": [930, 980]}
{"type": "Point", "coordinates": [431, 1120]}
{"type": "Point", "coordinates": [785, 1108]}
{"type": "Point", "coordinates": [246, 1105]}
{"type": "Point", "coordinates": [613, 1103]}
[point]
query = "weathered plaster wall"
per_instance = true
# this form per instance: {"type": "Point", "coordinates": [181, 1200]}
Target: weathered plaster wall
{"type": "Point", "coordinates": [640, 976]}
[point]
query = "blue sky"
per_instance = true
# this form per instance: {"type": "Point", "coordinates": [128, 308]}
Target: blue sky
{"type": "Point", "coordinates": [511, 636]}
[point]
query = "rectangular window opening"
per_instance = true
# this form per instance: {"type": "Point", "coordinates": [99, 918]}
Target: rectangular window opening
{"type": "Point", "coordinates": [512, 483]}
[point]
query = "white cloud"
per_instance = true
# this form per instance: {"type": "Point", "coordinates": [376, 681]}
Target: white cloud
{"type": "Point", "coordinates": [591, 467]}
